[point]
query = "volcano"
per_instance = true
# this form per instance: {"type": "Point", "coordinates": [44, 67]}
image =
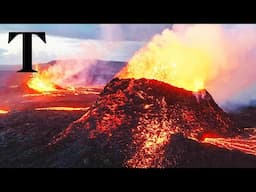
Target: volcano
{"type": "Point", "coordinates": [142, 123]}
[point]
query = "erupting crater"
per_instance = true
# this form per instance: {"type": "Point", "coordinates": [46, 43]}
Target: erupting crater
{"type": "Point", "coordinates": [133, 122]}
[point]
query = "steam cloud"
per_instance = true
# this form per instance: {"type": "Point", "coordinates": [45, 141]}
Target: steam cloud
{"type": "Point", "coordinates": [233, 48]}
{"type": "Point", "coordinates": [79, 71]}
{"type": "Point", "coordinates": [85, 69]}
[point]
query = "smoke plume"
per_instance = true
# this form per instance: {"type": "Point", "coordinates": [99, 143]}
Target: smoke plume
{"type": "Point", "coordinates": [79, 69]}
{"type": "Point", "coordinates": [220, 56]}
{"type": "Point", "coordinates": [233, 50]}
{"type": "Point", "coordinates": [76, 69]}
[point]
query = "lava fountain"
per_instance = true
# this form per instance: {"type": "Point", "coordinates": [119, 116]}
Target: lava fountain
{"type": "Point", "coordinates": [167, 58]}
{"type": "Point", "coordinates": [41, 81]}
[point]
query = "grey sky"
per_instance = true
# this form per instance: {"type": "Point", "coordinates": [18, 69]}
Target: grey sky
{"type": "Point", "coordinates": [69, 40]}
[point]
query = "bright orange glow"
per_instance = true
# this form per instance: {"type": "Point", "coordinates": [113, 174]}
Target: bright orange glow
{"type": "Point", "coordinates": [62, 109]}
{"type": "Point", "coordinates": [41, 82]}
{"type": "Point", "coordinates": [152, 149]}
{"type": "Point", "coordinates": [3, 111]}
{"type": "Point", "coordinates": [151, 138]}
{"type": "Point", "coordinates": [209, 135]}
{"type": "Point", "coordinates": [245, 145]}
{"type": "Point", "coordinates": [169, 59]}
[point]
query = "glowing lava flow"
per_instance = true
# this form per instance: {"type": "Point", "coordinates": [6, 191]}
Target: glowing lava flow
{"type": "Point", "coordinates": [3, 111]}
{"type": "Point", "coordinates": [154, 136]}
{"type": "Point", "coordinates": [245, 145]}
{"type": "Point", "coordinates": [41, 82]}
{"type": "Point", "coordinates": [151, 152]}
{"type": "Point", "coordinates": [169, 59]}
{"type": "Point", "coordinates": [62, 109]}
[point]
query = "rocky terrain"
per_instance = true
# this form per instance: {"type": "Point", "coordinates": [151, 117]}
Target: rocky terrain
{"type": "Point", "coordinates": [132, 123]}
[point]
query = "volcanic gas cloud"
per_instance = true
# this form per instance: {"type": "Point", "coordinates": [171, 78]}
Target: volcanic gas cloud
{"type": "Point", "coordinates": [63, 74]}
{"type": "Point", "coordinates": [159, 94]}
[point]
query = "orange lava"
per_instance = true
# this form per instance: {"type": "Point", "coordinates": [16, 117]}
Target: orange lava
{"type": "Point", "coordinates": [2, 111]}
{"type": "Point", "coordinates": [245, 145]}
{"type": "Point", "coordinates": [62, 109]}
{"type": "Point", "coordinates": [155, 137]}
{"type": "Point", "coordinates": [151, 152]}
{"type": "Point", "coordinates": [210, 136]}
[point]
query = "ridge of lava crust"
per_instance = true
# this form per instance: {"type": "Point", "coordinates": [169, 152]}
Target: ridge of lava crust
{"type": "Point", "coordinates": [133, 121]}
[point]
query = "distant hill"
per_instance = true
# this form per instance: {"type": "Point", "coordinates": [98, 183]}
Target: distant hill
{"type": "Point", "coordinates": [94, 72]}
{"type": "Point", "coordinates": [17, 67]}
{"type": "Point", "coordinates": [10, 67]}
{"type": "Point", "coordinates": [13, 67]}
{"type": "Point", "coordinates": [98, 72]}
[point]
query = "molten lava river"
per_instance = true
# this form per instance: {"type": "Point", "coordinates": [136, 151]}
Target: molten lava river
{"type": "Point", "coordinates": [245, 145]}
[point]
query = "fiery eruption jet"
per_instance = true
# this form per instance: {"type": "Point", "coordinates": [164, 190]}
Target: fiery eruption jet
{"type": "Point", "coordinates": [41, 82]}
{"type": "Point", "coordinates": [166, 58]}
